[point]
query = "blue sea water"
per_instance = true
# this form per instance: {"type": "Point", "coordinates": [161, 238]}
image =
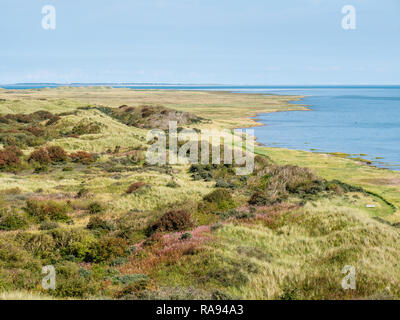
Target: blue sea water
{"type": "Point", "coordinates": [350, 119]}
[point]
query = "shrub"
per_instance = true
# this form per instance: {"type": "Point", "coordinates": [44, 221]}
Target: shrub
{"type": "Point", "coordinates": [72, 282]}
{"type": "Point", "coordinates": [36, 131]}
{"type": "Point", "coordinates": [136, 186]}
{"type": "Point", "coordinates": [40, 155]}
{"type": "Point", "coordinates": [174, 220]}
{"type": "Point", "coordinates": [95, 207]}
{"type": "Point", "coordinates": [221, 183]}
{"type": "Point", "coordinates": [48, 210]}
{"type": "Point", "coordinates": [96, 223]}
{"type": "Point", "coordinates": [107, 248]}
{"type": "Point", "coordinates": [118, 261]}
{"type": "Point", "coordinates": [218, 196]}
{"type": "Point", "coordinates": [9, 157]}
{"type": "Point", "coordinates": [72, 243]}
{"type": "Point", "coordinates": [38, 168]}
{"type": "Point", "coordinates": [13, 221]}
{"type": "Point", "coordinates": [52, 120]}
{"type": "Point", "coordinates": [48, 225]}
{"type": "Point", "coordinates": [129, 278]}
{"type": "Point", "coordinates": [82, 157]}
{"type": "Point", "coordinates": [86, 127]}
{"type": "Point", "coordinates": [259, 198]}
{"type": "Point", "coordinates": [57, 154]}
{"type": "Point", "coordinates": [172, 184]}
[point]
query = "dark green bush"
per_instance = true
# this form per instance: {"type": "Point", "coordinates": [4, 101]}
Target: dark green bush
{"type": "Point", "coordinates": [95, 207]}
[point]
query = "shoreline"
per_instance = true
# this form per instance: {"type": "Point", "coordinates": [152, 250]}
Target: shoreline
{"type": "Point", "coordinates": [337, 154]}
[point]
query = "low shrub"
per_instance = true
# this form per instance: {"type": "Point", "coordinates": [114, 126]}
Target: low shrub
{"type": "Point", "coordinates": [9, 157]}
{"type": "Point", "coordinates": [95, 207]}
{"type": "Point", "coordinates": [174, 220]}
{"type": "Point", "coordinates": [106, 249]}
{"type": "Point", "coordinates": [36, 131]}
{"type": "Point", "coordinates": [73, 244]}
{"type": "Point", "coordinates": [96, 223]}
{"type": "Point", "coordinates": [47, 210]}
{"type": "Point", "coordinates": [82, 157]}
{"type": "Point", "coordinates": [72, 282]}
{"type": "Point", "coordinates": [52, 120]}
{"type": "Point", "coordinates": [119, 261]}
{"type": "Point", "coordinates": [138, 284]}
{"type": "Point", "coordinates": [41, 156]}
{"type": "Point", "coordinates": [218, 196]}
{"type": "Point", "coordinates": [259, 198]}
{"type": "Point", "coordinates": [48, 225]}
{"type": "Point", "coordinates": [86, 127]}
{"type": "Point", "coordinates": [57, 154]}
{"type": "Point", "coordinates": [172, 184]}
{"type": "Point", "coordinates": [129, 279]}
{"type": "Point", "coordinates": [13, 221]}
{"type": "Point", "coordinates": [135, 187]}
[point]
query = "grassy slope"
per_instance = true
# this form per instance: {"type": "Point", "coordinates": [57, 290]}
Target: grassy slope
{"type": "Point", "coordinates": [304, 249]}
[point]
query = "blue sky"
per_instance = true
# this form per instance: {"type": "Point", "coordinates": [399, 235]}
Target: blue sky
{"type": "Point", "coordinates": [288, 42]}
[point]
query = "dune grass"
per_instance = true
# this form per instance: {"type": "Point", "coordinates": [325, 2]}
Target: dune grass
{"type": "Point", "coordinates": [297, 252]}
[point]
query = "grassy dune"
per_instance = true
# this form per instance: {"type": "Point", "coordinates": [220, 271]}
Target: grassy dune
{"type": "Point", "coordinates": [292, 248]}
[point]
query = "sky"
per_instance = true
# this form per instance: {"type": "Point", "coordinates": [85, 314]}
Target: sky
{"type": "Point", "coordinates": [258, 42]}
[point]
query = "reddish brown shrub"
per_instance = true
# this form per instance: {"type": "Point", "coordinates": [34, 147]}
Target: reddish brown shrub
{"type": "Point", "coordinates": [174, 220]}
{"type": "Point", "coordinates": [14, 149]}
{"type": "Point", "coordinates": [57, 154]}
{"type": "Point", "coordinates": [52, 120]}
{"type": "Point", "coordinates": [9, 157]}
{"type": "Point", "coordinates": [82, 157]}
{"type": "Point", "coordinates": [23, 118]}
{"type": "Point", "coordinates": [36, 131]}
{"type": "Point", "coordinates": [40, 155]}
{"type": "Point", "coordinates": [136, 186]}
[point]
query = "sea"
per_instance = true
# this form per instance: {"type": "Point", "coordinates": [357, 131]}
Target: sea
{"type": "Point", "coordinates": [361, 121]}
